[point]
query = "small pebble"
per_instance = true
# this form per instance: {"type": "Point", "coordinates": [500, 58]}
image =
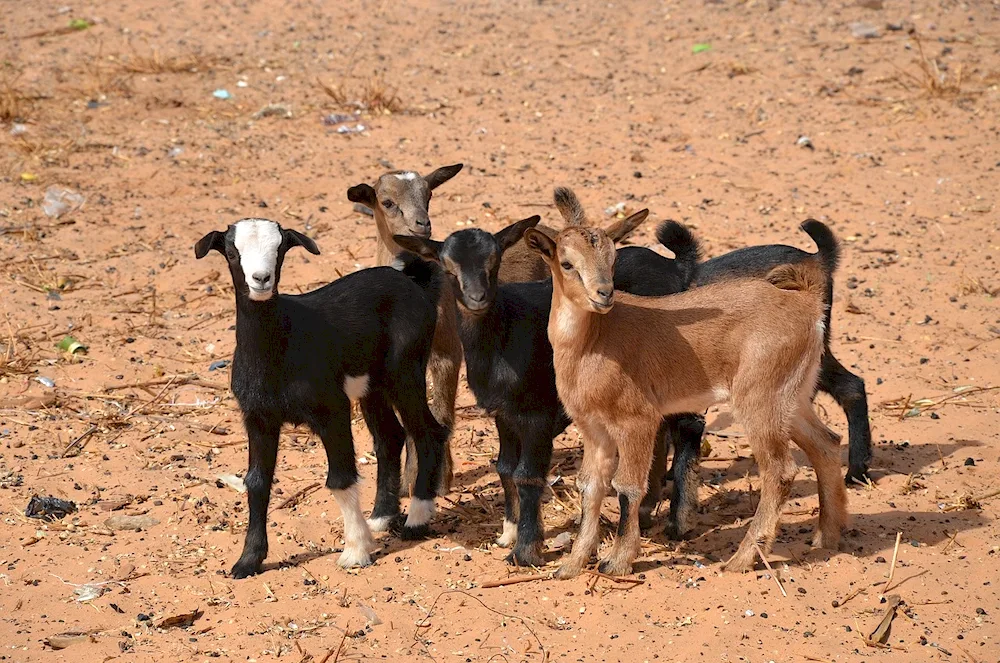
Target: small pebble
{"type": "Point", "coordinates": [980, 611]}
{"type": "Point", "coordinates": [970, 462]}
{"type": "Point", "coordinates": [880, 560]}
{"type": "Point", "coordinates": [801, 590]}
{"type": "Point", "coordinates": [143, 617]}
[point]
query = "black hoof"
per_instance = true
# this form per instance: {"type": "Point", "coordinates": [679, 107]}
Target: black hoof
{"type": "Point", "coordinates": [645, 520]}
{"type": "Point", "coordinates": [672, 532]}
{"type": "Point", "coordinates": [857, 477]}
{"type": "Point", "coordinates": [245, 569]}
{"type": "Point", "coordinates": [416, 533]}
{"type": "Point", "coordinates": [526, 557]}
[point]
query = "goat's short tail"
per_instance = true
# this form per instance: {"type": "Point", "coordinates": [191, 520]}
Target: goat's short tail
{"type": "Point", "coordinates": [685, 247]}
{"type": "Point", "coordinates": [826, 242]}
{"type": "Point", "coordinates": [808, 276]}
{"type": "Point", "coordinates": [428, 275]}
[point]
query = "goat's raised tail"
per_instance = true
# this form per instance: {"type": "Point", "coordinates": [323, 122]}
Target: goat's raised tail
{"type": "Point", "coordinates": [826, 242]}
{"type": "Point", "coordinates": [686, 249]}
{"type": "Point", "coordinates": [807, 276]}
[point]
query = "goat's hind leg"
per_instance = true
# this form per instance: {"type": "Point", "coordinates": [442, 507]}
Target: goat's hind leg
{"type": "Point", "coordinates": [849, 391]}
{"type": "Point", "coordinates": [687, 456]}
{"type": "Point", "coordinates": [822, 446]}
{"type": "Point", "coordinates": [777, 472]}
{"type": "Point", "coordinates": [263, 433]}
{"type": "Point", "coordinates": [657, 470]}
{"type": "Point", "coordinates": [510, 451]}
{"type": "Point", "coordinates": [634, 441]}
{"type": "Point", "coordinates": [342, 480]}
{"type": "Point", "coordinates": [388, 437]}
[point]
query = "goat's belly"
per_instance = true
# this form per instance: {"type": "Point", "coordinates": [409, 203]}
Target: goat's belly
{"type": "Point", "coordinates": [693, 402]}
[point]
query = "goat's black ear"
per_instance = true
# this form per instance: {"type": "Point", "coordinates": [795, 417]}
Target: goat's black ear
{"type": "Point", "coordinates": [213, 240]}
{"type": "Point", "coordinates": [364, 194]}
{"type": "Point", "coordinates": [425, 248]}
{"type": "Point", "coordinates": [509, 236]}
{"type": "Point", "coordinates": [442, 175]}
{"type": "Point", "coordinates": [619, 230]}
{"type": "Point", "coordinates": [541, 243]}
{"type": "Point", "coordinates": [295, 238]}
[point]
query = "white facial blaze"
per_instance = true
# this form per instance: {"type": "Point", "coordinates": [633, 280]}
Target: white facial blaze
{"type": "Point", "coordinates": [258, 241]}
{"type": "Point", "coordinates": [406, 176]}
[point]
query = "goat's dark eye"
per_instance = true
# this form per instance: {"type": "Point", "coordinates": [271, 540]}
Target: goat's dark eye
{"type": "Point", "coordinates": [566, 265]}
{"type": "Point", "coordinates": [388, 204]}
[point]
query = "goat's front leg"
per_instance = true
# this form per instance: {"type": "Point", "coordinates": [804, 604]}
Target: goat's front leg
{"type": "Point", "coordinates": [342, 480]}
{"type": "Point", "coordinates": [593, 482]}
{"type": "Point", "coordinates": [634, 440]}
{"type": "Point", "coordinates": [529, 478]}
{"type": "Point", "coordinates": [263, 434]}
{"type": "Point", "coordinates": [510, 452]}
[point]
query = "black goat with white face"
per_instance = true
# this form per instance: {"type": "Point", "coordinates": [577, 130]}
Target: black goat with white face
{"type": "Point", "coordinates": [301, 359]}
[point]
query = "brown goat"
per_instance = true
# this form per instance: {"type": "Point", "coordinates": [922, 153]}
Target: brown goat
{"type": "Point", "coordinates": [400, 203]}
{"type": "Point", "coordinates": [623, 362]}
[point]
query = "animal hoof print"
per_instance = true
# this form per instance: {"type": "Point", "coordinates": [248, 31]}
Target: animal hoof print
{"type": "Point", "coordinates": [414, 533]}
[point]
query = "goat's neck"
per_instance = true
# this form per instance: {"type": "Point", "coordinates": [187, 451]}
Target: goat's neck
{"type": "Point", "coordinates": [571, 329]}
{"type": "Point", "coordinates": [386, 249]}
{"type": "Point", "coordinates": [258, 328]}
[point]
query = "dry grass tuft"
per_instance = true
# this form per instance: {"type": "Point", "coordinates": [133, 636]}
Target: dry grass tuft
{"type": "Point", "coordinates": [374, 95]}
{"type": "Point", "coordinates": [16, 104]}
{"type": "Point", "coordinates": [970, 285]}
{"type": "Point", "coordinates": [931, 80]}
{"type": "Point", "coordinates": [156, 62]}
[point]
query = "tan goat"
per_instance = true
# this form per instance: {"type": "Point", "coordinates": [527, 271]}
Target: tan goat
{"type": "Point", "coordinates": [623, 362]}
{"type": "Point", "coordinates": [400, 203]}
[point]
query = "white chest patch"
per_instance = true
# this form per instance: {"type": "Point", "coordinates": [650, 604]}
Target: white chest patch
{"type": "Point", "coordinates": [355, 387]}
{"type": "Point", "coordinates": [406, 176]}
{"type": "Point", "coordinates": [258, 241]}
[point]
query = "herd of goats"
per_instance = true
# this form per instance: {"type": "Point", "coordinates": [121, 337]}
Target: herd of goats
{"type": "Point", "coordinates": [554, 327]}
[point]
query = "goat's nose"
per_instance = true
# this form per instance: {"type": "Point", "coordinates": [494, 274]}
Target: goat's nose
{"type": "Point", "coordinates": [606, 292]}
{"type": "Point", "coordinates": [477, 297]}
{"type": "Point", "coordinates": [261, 277]}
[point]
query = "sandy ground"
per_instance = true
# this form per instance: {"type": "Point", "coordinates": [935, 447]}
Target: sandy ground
{"type": "Point", "coordinates": [609, 98]}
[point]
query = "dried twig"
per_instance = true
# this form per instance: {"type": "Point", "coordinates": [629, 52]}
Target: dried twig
{"type": "Point", "coordinates": [892, 567]}
{"type": "Point", "coordinates": [297, 497]}
{"type": "Point", "coordinates": [768, 566]}
{"type": "Point", "coordinates": [422, 622]}
{"type": "Point", "coordinates": [336, 652]}
{"type": "Point", "coordinates": [79, 442]}
{"type": "Point", "coordinates": [513, 580]}
{"type": "Point", "coordinates": [881, 632]}
{"type": "Point", "coordinates": [837, 603]}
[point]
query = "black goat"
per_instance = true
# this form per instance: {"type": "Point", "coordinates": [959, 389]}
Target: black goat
{"type": "Point", "coordinates": [509, 363]}
{"type": "Point", "coordinates": [302, 358]}
{"type": "Point", "coordinates": [846, 388]}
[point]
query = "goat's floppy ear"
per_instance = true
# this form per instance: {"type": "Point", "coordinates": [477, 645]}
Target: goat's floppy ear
{"type": "Point", "coordinates": [619, 230]}
{"type": "Point", "coordinates": [425, 248]}
{"type": "Point", "coordinates": [213, 240]}
{"type": "Point", "coordinates": [295, 238]}
{"type": "Point", "coordinates": [364, 194]}
{"type": "Point", "coordinates": [541, 243]}
{"type": "Point", "coordinates": [442, 175]}
{"type": "Point", "coordinates": [509, 236]}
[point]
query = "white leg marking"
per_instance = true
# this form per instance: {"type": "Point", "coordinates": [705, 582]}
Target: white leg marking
{"type": "Point", "coordinates": [358, 539]}
{"type": "Point", "coordinates": [258, 241]}
{"type": "Point", "coordinates": [380, 524]}
{"type": "Point", "coordinates": [509, 536]}
{"type": "Point", "coordinates": [420, 512]}
{"type": "Point", "coordinates": [355, 386]}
